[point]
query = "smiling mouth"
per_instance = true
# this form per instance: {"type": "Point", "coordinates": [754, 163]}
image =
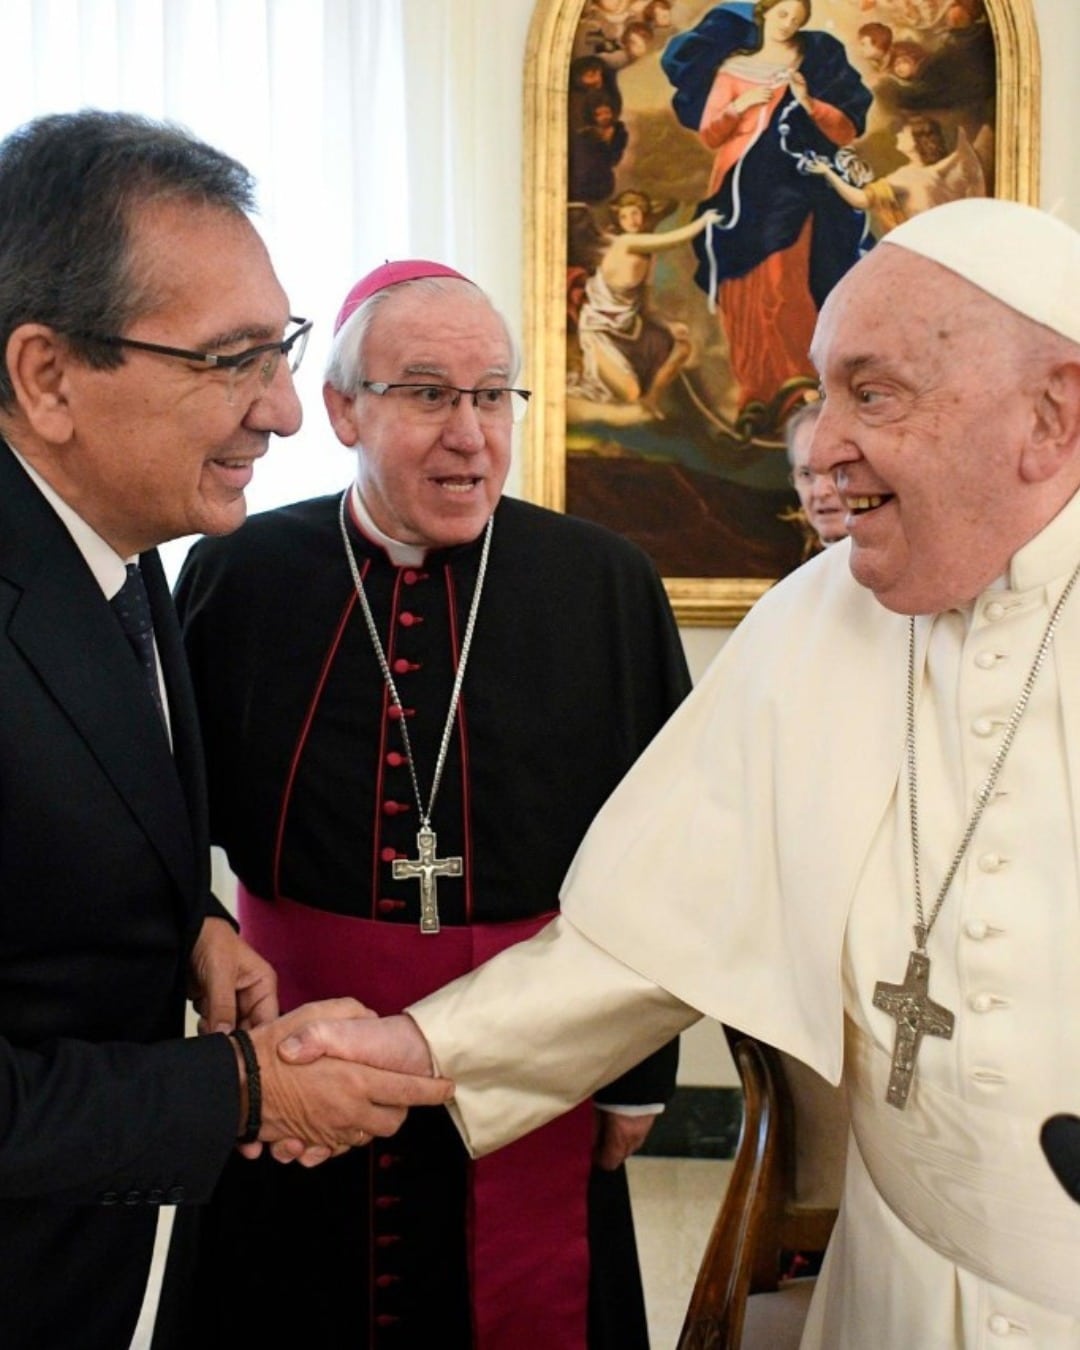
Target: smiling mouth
{"type": "Point", "coordinates": [858, 506]}
{"type": "Point", "coordinates": [458, 484]}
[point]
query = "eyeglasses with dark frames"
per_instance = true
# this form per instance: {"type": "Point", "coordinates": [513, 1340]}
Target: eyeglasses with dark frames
{"type": "Point", "coordinates": [438, 400]}
{"type": "Point", "coordinates": [242, 366]}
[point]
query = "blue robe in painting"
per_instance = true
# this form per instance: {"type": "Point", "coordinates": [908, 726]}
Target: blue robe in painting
{"type": "Point", "coordinates": [775, 197]}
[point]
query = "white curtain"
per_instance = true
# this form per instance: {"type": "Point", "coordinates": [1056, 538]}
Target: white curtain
{"type": "Point", "coordinates": [464, 72]}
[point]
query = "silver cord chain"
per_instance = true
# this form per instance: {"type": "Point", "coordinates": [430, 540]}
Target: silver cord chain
{"type": "Point", "coordinates": [384, 665]}
{"type": "Point", "coordinates": [923, 925]}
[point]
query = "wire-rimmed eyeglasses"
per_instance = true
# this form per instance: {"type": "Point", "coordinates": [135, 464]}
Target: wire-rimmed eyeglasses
{"type": "Point", "coordinates": [262, 360]}
{"type": "Point", "coordinates": [436, 401]}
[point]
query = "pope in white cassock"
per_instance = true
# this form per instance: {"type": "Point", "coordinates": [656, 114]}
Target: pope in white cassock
{"type": "Point", "coordinates": [858, 839]}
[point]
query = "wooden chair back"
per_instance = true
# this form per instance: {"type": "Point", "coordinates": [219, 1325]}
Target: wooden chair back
{"type": "Point", "coordinates": [781, 1198]}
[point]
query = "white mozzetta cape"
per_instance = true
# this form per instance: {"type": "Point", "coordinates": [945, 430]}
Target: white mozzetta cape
{"type": "Point", "coordinates": [724, 865]}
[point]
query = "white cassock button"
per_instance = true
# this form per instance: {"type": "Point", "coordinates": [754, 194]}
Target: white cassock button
{"type": "Point", "coordinates": [995, 610]}
{"type": "Point", "coordinates": [981, 1002]}
{"type": "Point", "coordinates": [991, 862]}
{"type": "Point", "coordinates": [986, 660]}
{"type": "Point", "coordinates": [977, 929]}
{"type": "Point", "coordinates": [999, 1324]}
{"type": "Point", "coordinates": [982, 726]}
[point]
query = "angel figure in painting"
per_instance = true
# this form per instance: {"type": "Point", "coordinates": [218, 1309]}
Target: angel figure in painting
{"type": "Point", "coordinates": [766, 95]}
{"type": "Point", "coordinates": [932, 176]}
{"type": "Point", "coordinates": [629, 357]}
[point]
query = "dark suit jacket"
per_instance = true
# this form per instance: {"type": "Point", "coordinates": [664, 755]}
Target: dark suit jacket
{"type": "Point", "coordinates": [105, 1111]}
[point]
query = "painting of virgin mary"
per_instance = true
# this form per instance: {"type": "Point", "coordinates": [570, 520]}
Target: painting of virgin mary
{"type": "Point", "coordinates": [765, 138]}
{"type": "Point", "coordinates": [769, 98]}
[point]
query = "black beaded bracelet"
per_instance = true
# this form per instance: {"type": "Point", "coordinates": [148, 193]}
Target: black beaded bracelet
{"type": "Point", "coordinates": [254, 1086]}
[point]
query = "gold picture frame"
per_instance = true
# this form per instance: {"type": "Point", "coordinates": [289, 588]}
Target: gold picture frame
{"type": "Point", "coordinates": [556, 25]}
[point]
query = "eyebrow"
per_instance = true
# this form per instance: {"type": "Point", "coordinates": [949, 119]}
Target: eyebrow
{"type": "Point", "coordinates": [857, 363]}
{"type": "Point", "coordinates": [250, 333]}
{"type": "Point", "coordinates": [424, 368]}
{"type": "Point", "coordinates": [853, 365]}
{"type": "Point", "coordinates": [432, 371]}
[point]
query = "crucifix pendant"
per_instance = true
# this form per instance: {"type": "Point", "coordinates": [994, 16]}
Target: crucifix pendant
{"type": "Point", "coordinates": [425, 869]}
{"type": "Point", "coordinates": [917, 1015]}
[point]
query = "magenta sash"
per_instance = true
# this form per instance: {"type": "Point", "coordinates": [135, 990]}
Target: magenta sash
{"type": "Point", "coordinates": [527, 1212]}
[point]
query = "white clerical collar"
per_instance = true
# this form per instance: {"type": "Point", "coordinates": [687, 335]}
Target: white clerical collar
{"type": "Point", "coordinates": [103, 560]}
{"type": "Point", "coordinates": [1053, 552]}
{"type": "Point", "coordinates": [401, 555]}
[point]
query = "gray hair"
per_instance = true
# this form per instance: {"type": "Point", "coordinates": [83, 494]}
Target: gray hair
{"type": "Point", "coordinates": [801, 417]}
{"type": "Point", "coordinates": [69, 186]}
{"type": "Point", "coordinates": [345, 369]}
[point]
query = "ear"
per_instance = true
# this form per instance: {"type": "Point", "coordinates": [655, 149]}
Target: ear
{"type": "Point", "coordinates": [341, 410]}
{"type": "Point", "coordinates": [1055, 433]}
{"type": "Point", "coordinates": [37, 362]}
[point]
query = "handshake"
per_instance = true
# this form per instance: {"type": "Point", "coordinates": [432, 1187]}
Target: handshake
{"type": "Point", "coordinates": [328, 1077]}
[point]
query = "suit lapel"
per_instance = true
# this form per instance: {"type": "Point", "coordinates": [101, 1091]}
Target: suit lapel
{"type": "Point", "coordinates": [64, 629]}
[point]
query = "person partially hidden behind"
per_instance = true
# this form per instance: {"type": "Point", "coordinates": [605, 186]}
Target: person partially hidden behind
{"type": "Point", "coordinates": [822, 512]}
{"type": "Point", "coordinates": [907, 923]}
{"type": "Point", "coordinates": [415, 696]}
{"type": "Point", "coordinates": [147, 351]}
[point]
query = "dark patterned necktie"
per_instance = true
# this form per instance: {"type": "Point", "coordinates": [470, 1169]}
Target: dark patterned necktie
{"type": "Point", "coordinates": [131, 605]}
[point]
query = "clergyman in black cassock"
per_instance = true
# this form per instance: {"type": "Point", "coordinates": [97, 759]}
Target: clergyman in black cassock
{"type": "Point", "coordinates": [575, 663]}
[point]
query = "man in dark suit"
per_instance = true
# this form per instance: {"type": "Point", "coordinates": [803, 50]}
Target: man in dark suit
{"type": "Point", "coordinates": [143, 331]}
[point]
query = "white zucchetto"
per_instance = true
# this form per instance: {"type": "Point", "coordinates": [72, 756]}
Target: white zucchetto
{"type": "Point", "coordinates": [1022, 256]}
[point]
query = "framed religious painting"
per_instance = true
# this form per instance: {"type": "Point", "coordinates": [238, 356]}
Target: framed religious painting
{"type": "Point", "coordinates": [699, 175]}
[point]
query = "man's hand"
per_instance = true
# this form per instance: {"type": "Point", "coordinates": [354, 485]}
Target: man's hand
{"type": "Point", "coordinates": [618, 1136]}
{"type": "Point", "coordinates": [317, 1104]}
{"type": "Point", "coordinates": [386, 1043]}
{"type": "Point", "coordinates": [230, 984]}
{"type": "Point", "coordinates": [393, 1043]}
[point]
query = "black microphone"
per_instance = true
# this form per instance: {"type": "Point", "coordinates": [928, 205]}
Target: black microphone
{"type": "Point", "coordinates": [1060, 1139]}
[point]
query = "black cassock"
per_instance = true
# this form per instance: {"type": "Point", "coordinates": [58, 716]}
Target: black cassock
{"type": "Point", "coordinates": [575, 664]}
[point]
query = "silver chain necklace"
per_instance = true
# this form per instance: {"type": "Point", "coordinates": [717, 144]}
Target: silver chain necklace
{"type": "Point", "coordinates": [426, 867]}
{"type": "Point", "coordinates": [916, 1014]}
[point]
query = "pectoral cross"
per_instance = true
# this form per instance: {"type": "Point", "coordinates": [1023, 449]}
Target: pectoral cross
{"type": "Point", "coordinates": [917, 1015]}
{"type": "Point", "coordinates": [425, 869]}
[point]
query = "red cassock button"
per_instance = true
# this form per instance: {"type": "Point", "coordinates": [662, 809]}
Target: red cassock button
{"type": "Point", "coordinates": [410, 576]}
{"type": "Point", "coordinates": [392, 808]}
{"type": "Point", "coordinates": [389, 906]}
{"type": "Point", "coordinates": [395, 759]}
{"type": "Point", "coordinates": [395, 712]}
{"type": "Point", "coordinates": [388, 854]}
{"type": "Point", "coordinates": [406, 618]}
{"type": "Point", "coordinates": [401, 666]}
{"type": "Point", "coordinates": [387, 1201]}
